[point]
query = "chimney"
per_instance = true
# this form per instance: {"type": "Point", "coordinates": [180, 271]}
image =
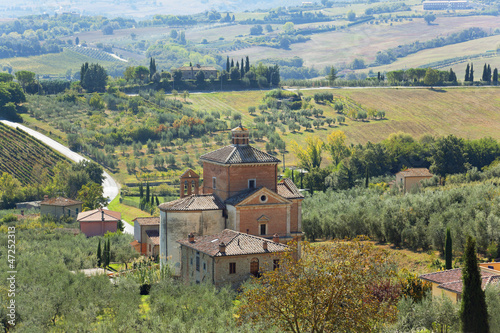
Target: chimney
{"type": "Point", "coordinates": [191, 238]}
{"type": "Point", "coordinates": [102, 215]}
{"type": "Point", "coordinates": [276, 238]}
{"type": "Point", "coordinates": [222, 248]}
{"type": "Point", "coordinates": [45, 197]}
{"type": "Point", "coordinates": [264, 245]}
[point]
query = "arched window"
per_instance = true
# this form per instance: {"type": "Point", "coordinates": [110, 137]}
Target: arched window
{"type": "Point", "coordinates": [254, 267]}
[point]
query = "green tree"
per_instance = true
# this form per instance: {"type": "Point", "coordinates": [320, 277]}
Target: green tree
{"type": "Point", "coordinates": [332, 75]}
{"type": "Point", "coordinates": [94, 78]}
{"type": "Point", "coordinates": [467, 73]}
{"type": "Point", "coordinates": [96, 102]}
{"type": "Point", "coordinates": [471, 75]}
{"type": "Point", "coordinates": [289, 27]}
{"type": "Point", "coordinates": [141, 72]}
{"type": "Point", "coordinates": [452, 77]}
{"type": "Point", "coordinates": [200, 79]}
{"type": "Point", "coordinates": [99, 254]}
{"type": "Point", "coordinates": [185, 94]}
{"type": "Point", "coordinates": [25, 77]}
{"type": "Point", "coordinates": [429, 18]}
{"type": "Point", "coordinates": [447, 156]}
{"type": "Point", "coordinates": [473, 310]}
{"type": "Point", "coordinates": [351, 16]}
{"type": "Point", "coordinates": [495, 76]}
{"type": "Point", "coordinates": [91, 194]}
{"type": "Point", "coordinates": [337, 146]}
{"type": "Point", "coordinates": [431, 77]}
{"type": "Point", "coordinates": [152, 67]}
{"type": "Point", "coordinates": [309, 157]}
{"type": "Point", "coordinates": [448, 250]}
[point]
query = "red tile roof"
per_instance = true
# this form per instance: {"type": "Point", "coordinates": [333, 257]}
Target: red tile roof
{"type": "Point", "coordinates": [59, 201]}
{"type": "Point", "coordinates": [416, 172]}
{"type": "Point", "coordinates": [194, 202]}
{"type": "Point", "coordinates": [237, 243]}
{"type": "Point", "coordinates": [287, 189]}
{"type": "Point", "coordinates": [452, 279]}
{"type": "Point", "coordinates": [154, 235]}
{"type": "Point", "coordinates": [147, 220]}
{"type": "Point", "coordinates": [197, 68]}
{"type": "Point", "coordinates": [97, 215]}
{"type": "Point", "coordinates": [239, 155]}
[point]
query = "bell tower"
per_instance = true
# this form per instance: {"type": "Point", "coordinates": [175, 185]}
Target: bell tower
{"type": "Point", "coordinates": [190, 183]}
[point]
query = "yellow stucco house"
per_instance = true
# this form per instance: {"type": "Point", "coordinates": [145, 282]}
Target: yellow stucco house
{"type": "Point", "coordinates": [449, 282]}
{"type": "Point", "coordinates": [410, 178]}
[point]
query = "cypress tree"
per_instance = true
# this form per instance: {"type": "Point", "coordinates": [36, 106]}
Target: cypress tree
{"type": "Point", "coordinates": [238, 65]}
{"type": "Point", "coordinates": [104, 255]}
{"type": "Point", "coordinates": [242, 70]}
{"type": "Point", "coordinates": [157, 201]}
{"type": "Point", "coordinates": [467, 73]}
{"type": "Point", "coordinates": [141, 190]}
{"type": "Point", "coordinates": [99, 254]}
{"type": "Point", "coordinates": [147, 192]}
{"type": "Point", "coordinates": [471, 75]}
{"type": "Point", "coordinates": [448, 249]}
{"type": "Point", "coordinates": [495, 76]}
{"type": "Point", "coordinates": [485, 73]}
{"type": "Point", "coordinates": [232, 63]}
{"type": "Point", "coordinates": [228, 66]}
{"type": "Point", "coordinates": [489, 73]}
{"type": "Point", "coordinates": [247, 65]}
{"type": "Point", "coordinates": [452, 77]}
{"type": "Point", "coordinates": [152, 200]}
{"type": "Point", "coordinates": [473, 311]}
{"type": "Point", "coordinates": [108, 253]}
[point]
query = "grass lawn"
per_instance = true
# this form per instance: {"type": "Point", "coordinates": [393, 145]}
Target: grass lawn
{"type": "Point", "coordinates": [128, 213]}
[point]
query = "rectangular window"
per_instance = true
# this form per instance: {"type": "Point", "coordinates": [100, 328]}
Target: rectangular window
{"type": "Point", "coordinates": [276, 263]}
{"type": "Point", "coordinates": [214, 183]}
{"type": "Point", "coordinates": [76, 211]}
{"type": "Point", "coordinates": [263, 229]}
{"type": "Point", "coordinates": [197, 261]}
{"type": "Point", "coordinates": [204, 266]}
{"type": "Point", "coordinates": [232, 268]}
{"type": "Point", "coordinates": [252, 183]}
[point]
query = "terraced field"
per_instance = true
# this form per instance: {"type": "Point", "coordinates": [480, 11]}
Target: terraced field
{"type": "Point", "coordinates": [20, 153]}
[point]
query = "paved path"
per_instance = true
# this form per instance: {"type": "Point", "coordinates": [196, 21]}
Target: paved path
{"type": "Point", "coordinates": [110, 187]}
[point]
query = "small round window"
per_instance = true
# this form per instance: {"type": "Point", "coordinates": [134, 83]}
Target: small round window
{"type": "Point", "coordinates": [263, 198]}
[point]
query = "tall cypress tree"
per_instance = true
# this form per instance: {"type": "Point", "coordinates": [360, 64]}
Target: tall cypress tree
{"type": "Point", "coordinates": [232, 63]}
{"type": "Point", "coordinates": [485, 73]}
{"type": "Point", "coordinates": [105, 254]}
{"type": "Point", "coordinates": [495, 76]}
{"type": "Point", "coordinates": [108, 253]}
{"type": "Point", "coordinates": [467, 73]}
{"type": "Point", "coordinates": [157, 201]}
{"type": "Point", "coordinates": [247, 65]}
{"type": "Point", "coordinates": [99, 254]}
{"type": "Point", "coordinates": [141, 190]}
{"type": "Point", "coordinates": [147, 192]}
{"type": "Point", "coordinates": [228, 66]}
{"type": "Point", "coordinates": [471, 75]}
{"type": "Point", "coordinates": [448, 250]}
{"type": "Point", "coordinates": [489, 73]}
{"type": "Point", "coordinates": [473, 310]}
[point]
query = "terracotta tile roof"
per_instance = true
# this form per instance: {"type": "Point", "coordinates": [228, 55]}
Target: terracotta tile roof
{"type": "Point", "coordinates": [97, 214]}
{"type": "Point", "coordinates": [59, 201]}
{"type": "Point", "coordinates": [287, 189]}
{"type": "Point", "coordinates": [196, 68]}
{"type": "Point", "coordinates": [237, 243]}
{"type": "Point", "coordinates": [452, 279]}
{"type": "Point", "coordinates": [194, 202]}
{"type": "Point", "coordinates": [416, 172]}
{"type": "Point", "coordinates": [154, 235]}
{"type": "Point", "coordinates": [239, 128]}
{"type": "Point", "coordinates": [240, 196]}
{"type": "Point", "coordinates": [190, 174]}
{"type": "Point", "coordinates": [238, 155]}
{"type": "Point", "coordinates": [147, 220]}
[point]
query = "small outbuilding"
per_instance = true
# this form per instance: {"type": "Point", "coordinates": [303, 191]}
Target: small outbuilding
{"type": "Point", "coordinates": [59, 206]}
{"type": "Point", "coordinates": [98, 221]}
{"type": "Point", "coordinates": [411, 178]}
{"type": "Point", "coordinates": [229, 257]}
{"type": "Point", "coordinates": [143, 227]}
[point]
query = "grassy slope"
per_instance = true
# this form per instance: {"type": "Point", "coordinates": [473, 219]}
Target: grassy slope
{"type": "Point", "coordinates": [128, 213]}
{"type": "Point", "coordinates": [53, 64]}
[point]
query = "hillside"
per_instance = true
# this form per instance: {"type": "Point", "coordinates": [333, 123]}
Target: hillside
{"type": "Point", "coordinates": [25, 157]}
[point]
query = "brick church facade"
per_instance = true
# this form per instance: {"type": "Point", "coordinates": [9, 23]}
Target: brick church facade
{"type": "Point", "coordinates": [240, 192]}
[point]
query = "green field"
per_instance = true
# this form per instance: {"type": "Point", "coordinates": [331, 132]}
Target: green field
{"type": "Point", "coordinates": [55, 64]}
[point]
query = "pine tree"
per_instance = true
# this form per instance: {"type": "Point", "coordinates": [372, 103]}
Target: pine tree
{"type": "Point", "coordinates": [467, 73]}
{"type": "Point", "coordinates": [99, 254]}
{"type": "Point", "coordinates": [473, 311]}
{"type": "Point", "coordinates": [495, 76]}
{"type": "Point", "coordinates": [471, 75]}
{"type": "Point", "coordinates": [247, 65]}
{"type": "Point", "coordinates": [228, 66]}
{"type": "Point", "coordinates": [448, 254]}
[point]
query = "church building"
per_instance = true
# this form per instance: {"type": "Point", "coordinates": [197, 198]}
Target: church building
{"type": "Point", "coordinates": [240, 192]}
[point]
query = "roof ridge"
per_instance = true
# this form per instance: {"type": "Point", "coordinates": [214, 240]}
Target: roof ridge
{"type": "Point", "coordinates": [231, 154]}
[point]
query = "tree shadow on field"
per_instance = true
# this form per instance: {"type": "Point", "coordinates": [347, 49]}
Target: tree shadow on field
{"type": "Point", "coordinates": [440, 90]}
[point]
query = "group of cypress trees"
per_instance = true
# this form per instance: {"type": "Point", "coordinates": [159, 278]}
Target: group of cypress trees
{"type": "Point", "coordinates": [148, 201]}
{"type": "Point", "coordinates": [488, 75]}
{"type": "Point", "coordinates": [244, 67]}
{"type": "Point", "coordinates": [104, 257]}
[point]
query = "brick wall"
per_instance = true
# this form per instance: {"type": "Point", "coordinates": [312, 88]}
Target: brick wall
{"type": "Point", "coordinates": [277, 215]}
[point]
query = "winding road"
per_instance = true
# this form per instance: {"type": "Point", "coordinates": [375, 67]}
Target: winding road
{"type": "Point", "coordinates": [110, 187]}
